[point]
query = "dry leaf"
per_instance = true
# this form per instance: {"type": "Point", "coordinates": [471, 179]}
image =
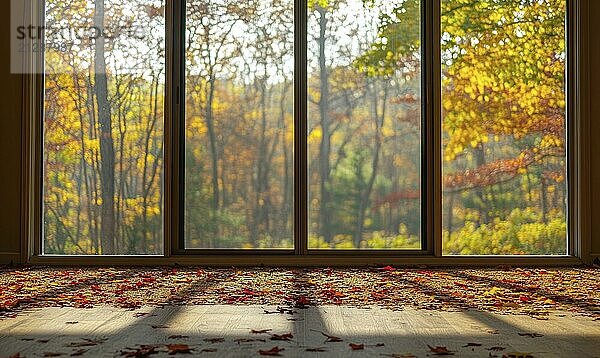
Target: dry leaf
{"type": "Point", "coordinates": [282, 337]}
{"type": "Point", "coordinates": [496, 348]}
{"type": "Point", "coordinates": [330, 338]}
{"type": "Point", "coordinates": [178, 348]}
{"type": "Point", "coordinates": [440, 351]}
{"type": "Point", "coordinates": [86, 343]}
{"type": "Point", "coordinates": [260, 331]}
{"type": "Point", "coordinates": [316, 349]}
{"type": "Point", "coordinates": [530, 334]}
{"type": "Point", "coordinates": [178, 336]}
{"type": "Point", "coordinates": [214, 340]}
{"type": "Point", "coordinates": [473, 345]}
{"type": "Point", "coordinates": [356, 347]}
{"type": "Point", "coordinates": [271, 352]}
{"type": "Point", "coordinates": [143, 351]}
{"type": "Point", "coordinates": [248, 340]}
{"type": "Point", "coordinates": [79, 352]}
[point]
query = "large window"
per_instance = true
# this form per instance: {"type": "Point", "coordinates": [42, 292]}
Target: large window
{"type": "Point", "coordinates": [104, 83]}
{"type": "Point", "coordinates": [305, 126]}
{"type": "Point", "coordinates": [239, 124]}
{"type": "Point", "coordinates": [504, 111]}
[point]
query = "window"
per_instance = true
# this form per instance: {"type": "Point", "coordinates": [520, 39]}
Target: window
{"type": "Point", "coordinates": [285, 127]}
{"type": "Point", "coordinates": [504, 127]}
{"type": "Point", "coordinates": [239, 124]}
{"type": "Point", "coordinates": [102, 128]}
{"type": "Point", "coordinates": [364, 124]}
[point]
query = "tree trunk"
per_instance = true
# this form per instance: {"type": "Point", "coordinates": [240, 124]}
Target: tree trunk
{"type": "Point", "coordinates": [325, 145]}
{"type": "Point", "coordinates": [364, 199]}
{"type": "Point", "coordinates": [107, 151]}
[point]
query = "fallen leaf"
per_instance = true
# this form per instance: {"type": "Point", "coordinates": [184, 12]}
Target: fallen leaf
{"type": "Point", "coordinates": [473, 345]}
{"type": "Point", "coordinates": [282, 337]}
{"type": "Point", "coordinates": [209, 350]}
{"type": "Point", "coordinates": [79, 352]}
{"type": "Point", "coordinates": [214, 340]}
{"type": "Point", "coordinates": [159, 326]}
{"type": "Point", "coordinates": [271, 352]}
{"type": "Point", "coordinates": [178, 348]}
{"type": "Point", "coordinates": [178, 336]}
{"type": "Point", "coordinates": [356, 347]}
{"type": "Point", "coordinates": [43, 340]}
{"type": "Point", "coordinates": [86, 343]}
{"type": "Point", "coordinates": [302, 302]}
{"type": "Point", "coordinates": [530, 334]}
{"type": "Point", "coordinates": [316, 349]}
{"type": "Point", "coordinates": [248, 340]}
{"type": "Point", "coordinates": [260, 331]}
{"type": "Point", "coordinates": [143, 351]}
{"type": "Point", "coordinates": [53, 354]}
{"type": "Point", "coordinates": [16, 355]}
{"type": "Point", "coordinates": [496, 348]}
{"type": "Point", "coordinates": [330, 338]}
{"type": "Point", "coordinates": [440, 351]}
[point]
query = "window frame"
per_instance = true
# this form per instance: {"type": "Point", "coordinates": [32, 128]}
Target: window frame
{"type": "Point", "coordinates": [578, 237]}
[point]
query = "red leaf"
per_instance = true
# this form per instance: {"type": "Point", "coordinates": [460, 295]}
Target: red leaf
{"type": "Point", "coordinates": [282, 337]}
{"type": "Point", "coordinates": [388, 268]}
{"type": "Point", "coordinates": [271, 352]}
{"type": "Point", "coordinates": [440, 351]}
{"type": "Point", "coordinates": [143, 351]}
{"type": "Point", "coordinates": [302, 302]}
{"type": "Point", "coordinates": [357, 347]}
{"type": "Point", "coordinates": [178, 348]}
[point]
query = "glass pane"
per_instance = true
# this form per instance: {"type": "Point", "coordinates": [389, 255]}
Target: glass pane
{"type": "Point", "coordinates": [503, 83]}
{"type": "Point", "coordinates": [239, 124]}
{"type": "Point", "coordinates": [364, 123]}
{"type": "Point", "coordinates": [103, 127]}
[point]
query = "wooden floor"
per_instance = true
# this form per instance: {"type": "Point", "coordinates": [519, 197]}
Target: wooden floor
{"type": "Point", "coordinates": [111, 331]}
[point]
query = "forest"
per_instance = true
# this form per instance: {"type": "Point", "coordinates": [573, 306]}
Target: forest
{"type": "Point", "coordinates": [503, 120]}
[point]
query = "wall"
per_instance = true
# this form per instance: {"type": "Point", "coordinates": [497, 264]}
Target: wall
{"type": "Point", "coordinates": [10, 139]}
{"type": "Point", "coordinates": [10, 146]}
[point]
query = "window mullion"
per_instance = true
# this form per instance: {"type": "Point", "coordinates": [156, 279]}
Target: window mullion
{"type": "Point", "coordinates": [300, 128]}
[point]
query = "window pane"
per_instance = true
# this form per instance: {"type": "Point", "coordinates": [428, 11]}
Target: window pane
{"type": "Point", "coordinates": [504, 186]}
{"type": "Point", "coordinates": [103, 127]}
{"type": "Point", "coordinates": [239, 124]}
{"type": "Point", "coordinates": [364, 79]}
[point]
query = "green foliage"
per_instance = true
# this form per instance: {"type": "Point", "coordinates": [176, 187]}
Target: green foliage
{"type": "Point", "coordinates": [522, 232]}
